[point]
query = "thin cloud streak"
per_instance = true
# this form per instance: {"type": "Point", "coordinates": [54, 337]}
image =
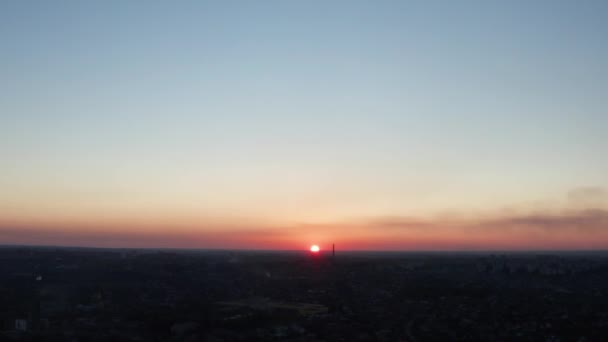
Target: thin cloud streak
{"type": "Point", "coordinates": [574, 229]}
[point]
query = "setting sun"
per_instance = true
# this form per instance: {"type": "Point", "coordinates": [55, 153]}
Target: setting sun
{"type": "Point", "coordinates": [314, 248]}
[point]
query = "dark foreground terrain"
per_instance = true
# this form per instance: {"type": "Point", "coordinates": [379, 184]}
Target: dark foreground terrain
{"type": "Point", "coordinates": [60, 294]}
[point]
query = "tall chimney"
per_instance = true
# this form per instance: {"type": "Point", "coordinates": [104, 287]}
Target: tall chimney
{"type": "Point", "coordinates": [333, 248]}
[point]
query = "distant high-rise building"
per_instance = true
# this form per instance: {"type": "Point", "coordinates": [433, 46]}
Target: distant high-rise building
{"type": "Point", "coordinates": [21, 324]}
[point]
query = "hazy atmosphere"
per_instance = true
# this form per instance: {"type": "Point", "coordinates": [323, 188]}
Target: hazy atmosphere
{"type": "Point", "coordinates": [389, 125]}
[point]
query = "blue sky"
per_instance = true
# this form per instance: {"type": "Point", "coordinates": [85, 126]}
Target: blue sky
{"type": "Point", "coordinates": [311, 111]}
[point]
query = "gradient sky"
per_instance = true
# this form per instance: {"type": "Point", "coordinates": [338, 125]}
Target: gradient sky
{"type": "Point", "coordinates": [277, 124]}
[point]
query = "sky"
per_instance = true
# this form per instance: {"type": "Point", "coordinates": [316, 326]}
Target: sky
{"type": "Point", "coordinates": [384, 125]}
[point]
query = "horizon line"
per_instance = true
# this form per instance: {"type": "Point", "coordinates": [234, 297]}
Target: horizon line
{"type": "Point", "coordinates": [473, 251]}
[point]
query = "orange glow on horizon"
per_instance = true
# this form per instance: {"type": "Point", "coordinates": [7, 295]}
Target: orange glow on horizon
{"type": "Point", "coordinates": [494, 231]}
